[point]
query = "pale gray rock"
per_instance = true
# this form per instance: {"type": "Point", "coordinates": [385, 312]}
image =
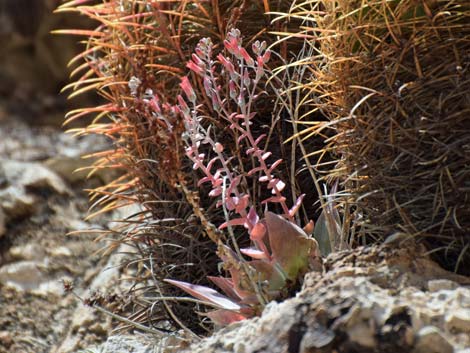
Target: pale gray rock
{"type": "Point", "coordinates": [60, 251]}
{"type": "Point", "coordinates": [83, 317]}
{"type": "Point", "coordinates": [29, 252]}
{"type": "Point", "coordinates": [128, 344]}
{"type": "Point", "coordinates": [69, 161]}
{"type": "Point", "coordinates": [30, 274]}
{"type": "Point", "coordinates": [441, 284]}
{"type": "Point", "coordinates": [51, 288]}
{"type": "Point", "coordinates": [16, 197]}
{"type": "Point", "coordinates": [33, 175]}
{"type": "Point", "coordinates": [141, 343]}
{"type": "Point", "coordinates": [430, 340]}
{"type": "Point", "coordinates": [6, 339]}
{"type": "Point", "coordinates": [68, 167]}
{"type": "Point", "coordinates": [22, 275]}
{"type": "Point", "coordinates": [16, 203]}
{"type": "Point", "coordinates": [459, 320]}
{"type": "Point", "coordinates": [369, 300]}
{"type": "Point", "coordinates": [3, 227]}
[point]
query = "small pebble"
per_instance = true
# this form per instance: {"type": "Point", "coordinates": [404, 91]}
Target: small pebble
{"type": "Point", "coordinates": [5, 339]}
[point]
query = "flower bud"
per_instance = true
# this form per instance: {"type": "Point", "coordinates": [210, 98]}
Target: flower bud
{"type": "Point", "coordinates": [218, 147]}
{"type": "Point", "coordinates": [233, 89]}
{"type": "Point", "coordinates": [188, 89]}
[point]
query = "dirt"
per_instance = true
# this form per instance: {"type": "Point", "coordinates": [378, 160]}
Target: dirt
{"type": "Point", "coordinates": [37, 256]}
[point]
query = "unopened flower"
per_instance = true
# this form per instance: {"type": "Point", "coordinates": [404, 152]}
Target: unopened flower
{"type": "Point", "coordinates": [195, 68]}
{"type": "Point", "coordinates": [188, 89]}
{"type": "Point", "coordinates": [218, 147]}
{"type": "Point", "coordinates": [246, 56]}
{"type": "Point", "coordinates": [227, 64]}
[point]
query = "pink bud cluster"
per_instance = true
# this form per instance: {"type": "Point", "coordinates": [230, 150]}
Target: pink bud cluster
{"type": "Point", "coordinates": [243, 73]}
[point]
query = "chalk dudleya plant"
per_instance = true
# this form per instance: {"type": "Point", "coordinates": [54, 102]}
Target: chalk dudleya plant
{"type": "Point", "coordinates": [281, 251]}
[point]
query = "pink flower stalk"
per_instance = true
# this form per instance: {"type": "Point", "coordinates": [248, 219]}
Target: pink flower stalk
{"type": "Point", "coordinates": [225, 180]}
{"type": "Point", "coordinates": [281, 250]}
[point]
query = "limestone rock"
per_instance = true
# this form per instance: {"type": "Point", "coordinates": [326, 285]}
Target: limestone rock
{"type": "Point", "coordinates": [22, 275]}
{"type": "Point", "coordinates": [16, 197]}
{"type": "Point", "coordinates": [60, 251]}
{"type": "Point", "coordinates": [127, 344]}
{"type": "Point", "coordinates": [16, 203]}
{"type": "Point", "coordinates": [142, 343]}
{"type": "Point", "coordinates": [2, 223]}
{"type": "Point", "coordinates": [430, 340]}
{"type": "Point", "coordinates": [67, 167]}
{"type": "Point", "coordinates": [83, 317]}
{"type": "Point", "coordinates": [33, 64]}
{"type": "Point", "coordinates": [32, 175]}
{"type": "Point", "coordinates": [29, 252]}
{"type": "Point", "coordinates": [441, 284]}
{"type": "Point", "coordinates": [368, 300]}
{"type": "Point", "coordinates": [6, 339]}
{"type": "Point", "coordinates": [459, 320]}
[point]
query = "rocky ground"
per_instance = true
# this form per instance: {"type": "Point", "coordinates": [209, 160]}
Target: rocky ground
{"type": "Point", "coordinates": [41, 201]}
{"type": "Point", "coordinates": [370, 300]}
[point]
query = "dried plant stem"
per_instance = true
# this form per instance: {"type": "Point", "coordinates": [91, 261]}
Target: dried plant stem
{"type": "Point", "coordinates": [191, 196]}
{"type": "Point", "coordinates": [121, 318]}
{"type": "Point", "coordinates": [167, 307]}
{"type": "Point", "coordinates": [129, 322]}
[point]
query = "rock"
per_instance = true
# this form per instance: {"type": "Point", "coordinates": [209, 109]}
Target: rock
{"type": "Point", "coordinates": [348, 309]}
{"type": "Point", "coordinates": [141, 343]}
{"type": "Point", "coordinates": [50, 288]}
{"type": "Point", "coordinates": [459, 320]}
{"type": "Point", "coordinates": [3, 228]}
{"type": "Point", "coordinates": [83, 317]}
{"type": "Point", "coordinates": [70, 163]}
{"type": "Point", "coordinates": [32, 175]}
{"type": "Point", "coordinates": [71, 344]}
{"type": "Point", "coordinates": [128, 344]}
{"type": "Point", "coordinates": [3, 178]}
{"type": "Point", "coordinates": [16, 203]}
{"type": "Point", "coordinates": [32, 64]}
{"type": "Point", "coordinates": [60, 251]}
{"type": "Point", "coordinates": [22, 275]}
{"type": "Point", "coordinates": [441, 284]}
{"type": "Point", "coordinates": [77, 224]}
{"type": "Point", "coordinates": [99, 328]}
{"type": "Point", "coordinates": [29, 252]}
{"type": "Point", "coordinates": [133, 212]}
{"type": "Point", "coordinates": [67, 167]}
{"type": "Point", "coordinates": [6, 340]}
{"type": "Point", "coordinates": [430, 340]}
{"type": "Point", "coordinates": [361, 327]}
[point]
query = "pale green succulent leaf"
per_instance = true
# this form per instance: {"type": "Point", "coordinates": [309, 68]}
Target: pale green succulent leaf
{"type": "Point", "coordinates": [290, 245]}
